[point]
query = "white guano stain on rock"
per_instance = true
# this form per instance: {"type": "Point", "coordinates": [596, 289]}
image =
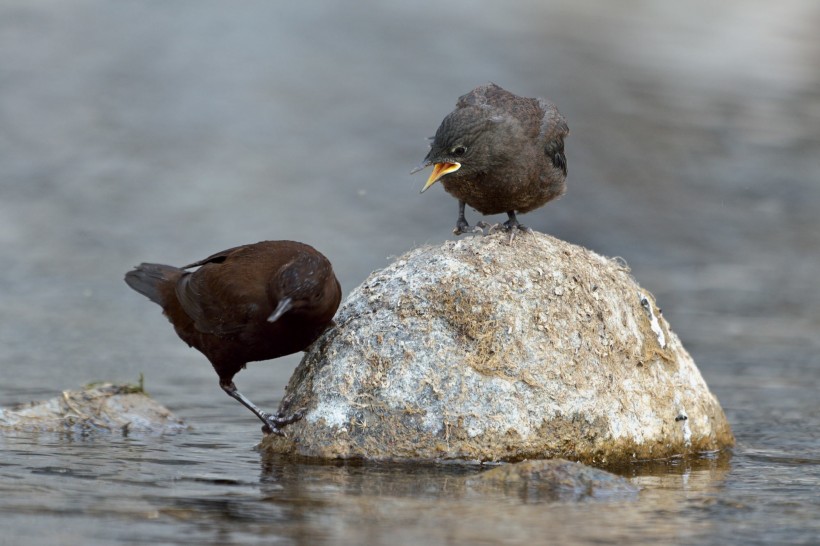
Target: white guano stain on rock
{"type": "Point", "coordinates": [653, 321]}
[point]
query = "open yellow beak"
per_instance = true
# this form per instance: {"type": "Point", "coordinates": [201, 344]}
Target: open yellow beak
{"type": "Point", "coordinates": [439, 170]}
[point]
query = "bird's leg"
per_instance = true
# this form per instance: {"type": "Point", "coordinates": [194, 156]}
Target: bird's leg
{"type": "Point", "coordinates": [512, 225]}
{"type": "Point", "coordinates": [461, 224]}
{"type": "Point", "coordinates": [273, 423]}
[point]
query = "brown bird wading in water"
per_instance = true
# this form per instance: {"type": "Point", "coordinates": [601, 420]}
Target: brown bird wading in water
{"type": "Point", "coordinates": [499, 152]}
{"type": "Point", "coordinates": [248, 303]}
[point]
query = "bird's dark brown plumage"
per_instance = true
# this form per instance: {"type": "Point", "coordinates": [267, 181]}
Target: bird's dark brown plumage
{"type": "Point", "coordinates": [247, 303]}
{"type": "Point", "coordinates": [499, 152]}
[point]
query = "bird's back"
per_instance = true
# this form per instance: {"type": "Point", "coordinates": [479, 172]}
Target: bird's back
{"type": "Point", "coordinates": [230, 289]}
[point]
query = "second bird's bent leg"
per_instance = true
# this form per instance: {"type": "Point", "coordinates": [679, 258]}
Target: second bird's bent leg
{"type": "Point", "coordinates": [273, 423]}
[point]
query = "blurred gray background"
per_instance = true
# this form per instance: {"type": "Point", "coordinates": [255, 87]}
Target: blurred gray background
{"type": "Point", "coordinates": [165, 131]}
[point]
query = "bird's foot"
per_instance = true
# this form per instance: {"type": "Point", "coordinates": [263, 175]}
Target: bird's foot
{"type": "Point", "coordinates": [275, 423]}
{"type": "Point", "coordinates": [463, 227]}
{"type": "Point", "coordinates": [516, 229]}
{"type": "Point", "coordinates": [510, 226]}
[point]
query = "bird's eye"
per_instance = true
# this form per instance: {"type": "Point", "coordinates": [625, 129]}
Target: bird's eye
{"type": "Point", "coordinates": [459, 151]}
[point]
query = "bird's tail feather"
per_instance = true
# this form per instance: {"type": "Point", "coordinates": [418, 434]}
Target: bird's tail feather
{"type": "Point", "coordinates": [147, 279]}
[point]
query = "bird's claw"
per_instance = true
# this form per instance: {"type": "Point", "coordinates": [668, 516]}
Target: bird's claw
{"type": "Point", "coordinates": [509, 227]}
{"type": "Point", "coordinates": [463, 227]}
{"type": "Point", "coordinates": [275, 423]}
{"type": "Point", "coordinates": [515, 228]}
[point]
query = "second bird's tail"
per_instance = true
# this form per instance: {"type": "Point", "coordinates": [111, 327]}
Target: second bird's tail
{"type": "Point", "coordinates": [147, 279]}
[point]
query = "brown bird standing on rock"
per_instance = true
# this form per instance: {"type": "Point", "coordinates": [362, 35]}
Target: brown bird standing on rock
{"type": "Point", "coordinates": [499, 152]}
{"type": "Point", "coordinates": [247, 303]}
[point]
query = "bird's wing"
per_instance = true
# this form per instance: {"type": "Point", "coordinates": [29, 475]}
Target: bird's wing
{"type": "Point", "coordinates": [219, 304]}
{"type": "Point", "coordinates": [553, 129]}
{"type": "Point", "coordinates": [211, 311]}
{"type": "Point", "coordinates": [555, 151]}
{"type": "Point", "coordinates": [217, 258]}
{"type": "Point", "coordinates": [208, 317]}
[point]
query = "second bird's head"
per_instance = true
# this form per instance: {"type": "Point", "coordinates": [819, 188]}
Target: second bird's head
{"type": "Point", "coordinates": [463, 145]}
{"type": "Point", "coordinates": [305, 284]}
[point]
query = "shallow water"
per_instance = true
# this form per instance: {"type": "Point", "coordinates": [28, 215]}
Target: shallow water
{"type": "Point", "coordinates": [211, 487]}
{"type": "Point", "coordinates": [141, 131]}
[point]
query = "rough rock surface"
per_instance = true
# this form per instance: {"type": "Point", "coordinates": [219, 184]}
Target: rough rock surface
{"type": "Point", "coordinates": [482, 350]}
{"type": "Point", "coordinates": [103, 407]}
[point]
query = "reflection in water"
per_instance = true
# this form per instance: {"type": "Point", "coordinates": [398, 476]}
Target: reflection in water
{"type": "Point", "coordinates": [436, 503]}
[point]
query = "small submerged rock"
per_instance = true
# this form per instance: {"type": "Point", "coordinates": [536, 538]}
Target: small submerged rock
{"type": "Point", "coordinates": [554, 480]}
{"type": "Point", "coordinates": [101, 407]}
{"type": "Point", "coordinates": [482, 350]}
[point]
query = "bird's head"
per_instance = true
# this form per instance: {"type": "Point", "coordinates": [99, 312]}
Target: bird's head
{"type": "Point", "coordinates": [301, 285]}
{"type": "Point", "coordinates": [463, 145]}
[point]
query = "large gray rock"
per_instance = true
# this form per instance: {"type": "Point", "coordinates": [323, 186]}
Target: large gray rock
{"type": "Point", "coordinates": [482, 350]}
